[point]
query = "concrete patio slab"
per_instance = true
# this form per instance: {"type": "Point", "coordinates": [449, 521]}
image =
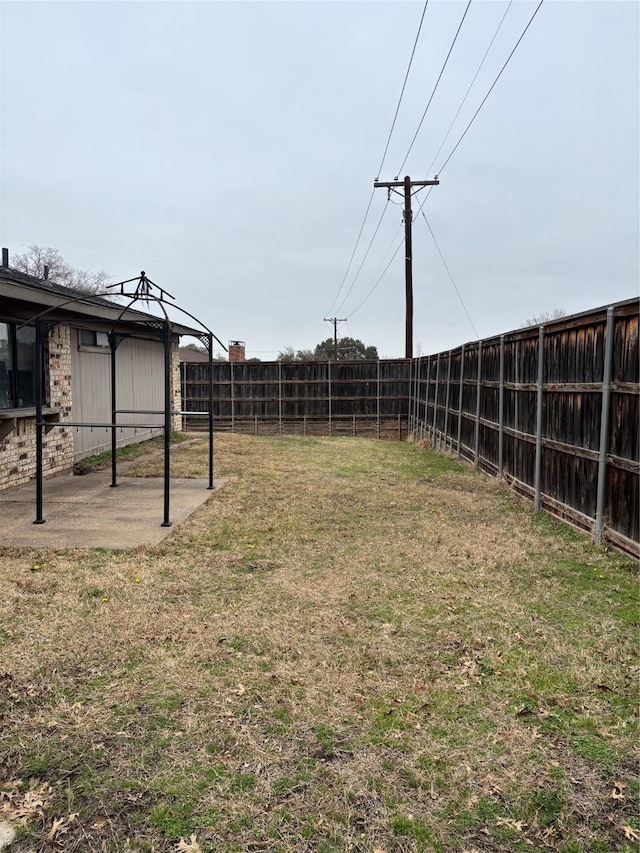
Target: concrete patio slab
{"type": "Point", "coordinates": [85, 512]}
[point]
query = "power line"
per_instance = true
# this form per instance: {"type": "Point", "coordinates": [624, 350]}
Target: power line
{"type": "Point", "coordinates": [464, 133]}
{"type": "Point", "coordinates": [366, 297]}
{"type": "Point", "coordinates": [384, 257]}
{"type": "Point", "coordinates": [464, 100]}
{"type": "Point", "coordinates": [406, 77]}
{"type": "Point", "coordinates": [366, 213]}
{"type": "Point", "coordinates": [415, 136]}
{"type": "Point", "coordinates": [446, 266]}
{"type": "Point", "coordinates": [366, 254]}
{"type": "Point", "coordinates": [377, 282]}
{"type": "Point", "coordinates": [391, 245]}
{"type": "Point", "coordinates": [353, 254]}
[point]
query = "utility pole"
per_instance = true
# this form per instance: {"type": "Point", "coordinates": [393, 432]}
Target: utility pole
{"type": "Point", "coordinates": [335, 321]}
{"type": "Point", "coordinates": [407, 215]}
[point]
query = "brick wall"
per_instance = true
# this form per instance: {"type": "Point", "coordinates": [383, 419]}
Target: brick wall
{"type": "Point", "coordinates": [236, 351]}
{"type": "Point", "coordinates": [18, 448]}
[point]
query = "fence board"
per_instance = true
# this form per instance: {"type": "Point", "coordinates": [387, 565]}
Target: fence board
{"type": "Point", "coordinates": [479, 401]}
{"type": "Point", "coordinates": [572, 391]}
{"type": "Point", "coordinates": [375, 393]}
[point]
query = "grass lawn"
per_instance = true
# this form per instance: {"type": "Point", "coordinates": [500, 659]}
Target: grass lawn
{"type": "Point", "coordinates": [354, 646]}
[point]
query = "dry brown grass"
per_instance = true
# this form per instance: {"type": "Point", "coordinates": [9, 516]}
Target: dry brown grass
{"type": "Point", "coordinates": [356, 645]}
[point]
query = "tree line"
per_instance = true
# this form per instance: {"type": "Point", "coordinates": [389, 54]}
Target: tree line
{"type": "Point", "coordinates": [345, 349]}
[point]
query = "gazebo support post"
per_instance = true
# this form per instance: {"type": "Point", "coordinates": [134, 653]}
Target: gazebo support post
{"type": "Point", "coordinates": [166, 339]}
{"type": "Point", "coordinates": [210, 345]}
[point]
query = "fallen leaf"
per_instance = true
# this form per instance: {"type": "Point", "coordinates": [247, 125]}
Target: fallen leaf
{"type": "Point", "coordinates": [18, 806]}
{"type": "Point", "coordinates": [630, 833]}
{"type": "Point", "coordinates": [617, 794]}
{"type": "Point", "coordinates": [59, 825]}
{"type": "Point", "coordinates": [191, 845]}
{"type": "Point", "coordinates": [133, 798]}
{"type": "Point", "coordinates": [518, 825]}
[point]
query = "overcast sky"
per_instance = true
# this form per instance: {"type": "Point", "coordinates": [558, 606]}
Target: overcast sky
{"type": "Point", "coordinates": [230, 148]}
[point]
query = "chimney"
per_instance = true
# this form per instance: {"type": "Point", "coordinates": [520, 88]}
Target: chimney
{"type": "Point", "coordinates": [46, 272]}
{"type": "Point", "coordinates": [5, 257]}
{"type": "Point", "coordinates": [236, 351]}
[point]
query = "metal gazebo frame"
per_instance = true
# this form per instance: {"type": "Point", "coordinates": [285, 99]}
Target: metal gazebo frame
{"type": "Point", "coordinates": [145, 291]}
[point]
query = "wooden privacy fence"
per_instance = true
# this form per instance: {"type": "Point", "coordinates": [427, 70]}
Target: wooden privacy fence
{"type": "Point", "coordinates": [553, 409]}
{"type": "Point", "coordinates": [364, 398]}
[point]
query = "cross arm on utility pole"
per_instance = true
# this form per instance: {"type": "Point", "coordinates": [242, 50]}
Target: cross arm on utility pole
{"type": "Point", "coordinates": [434, 183]}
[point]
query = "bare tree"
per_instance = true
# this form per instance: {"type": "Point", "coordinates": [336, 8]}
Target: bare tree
{"type": "Point", "coordinates": [545, 317]}
{"type": "Point", "coordinates": [34, 260]}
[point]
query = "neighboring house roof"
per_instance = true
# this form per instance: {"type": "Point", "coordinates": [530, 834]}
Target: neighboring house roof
{"type": "Point", "coordinates": [192, 356]}
{"type": "Point", "coordinates": [28, 296]}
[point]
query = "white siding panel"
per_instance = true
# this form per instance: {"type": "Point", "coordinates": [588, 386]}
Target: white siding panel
{"type": "Point", "coordinates": [140, 385]}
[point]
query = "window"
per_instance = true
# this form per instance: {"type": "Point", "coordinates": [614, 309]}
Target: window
{"type": "Point", "coordinates": [89, 338]}
{"type": "Point", "coordinates": [17, 366]}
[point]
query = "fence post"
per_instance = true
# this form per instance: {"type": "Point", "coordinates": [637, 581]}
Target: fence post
{"type": "Point", "coordinates": [210, 406]}
{"type": "Point", "coordinates": [409, 399]}
{"type": "Point", "coordinates": [330, 401]}
{"type": "Point", "coordinates": [255, 424]}
{"type": "Point", "coordinates": [476, 454]}
{"type": "Point", "coordinates": [423, 429]}
{"type": "Point", "coordinates": [446, 404]}
{"type": "Point", "coordinates": [399, 428]}
{"type": "Point", "coordinates": [501, 411]}
{"type": "Point", "coordinates": [604, 425]}
{"type": "Point", "coordinates": [416, 395]}
{"type": "Point", "coordinates": [304, 425]}
{"type": "Point", "coordinates": [538, 464]}
{"type": "Point", "coordinates": [233, 402]}
{"type": "Point", "coordinates": [280, 397]}
{"type": "Point", "coordinates": [378, 402]}
{"type": "Point", "coordinates": [354, 426]}
{"type": "Point", "coordinates": [435, 403]}
{"type": "Point", "coordinates": [460, 396]}
{"type": "Point", "coordinates": [516, 393]}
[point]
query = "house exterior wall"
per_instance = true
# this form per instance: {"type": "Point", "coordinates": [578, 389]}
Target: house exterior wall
{"type": "Point", "coordinates": [18, 447]}
{"type": "Point", "coordinates": [139, 385]}
{"type": "Point", "coordinates": [78, 387]}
